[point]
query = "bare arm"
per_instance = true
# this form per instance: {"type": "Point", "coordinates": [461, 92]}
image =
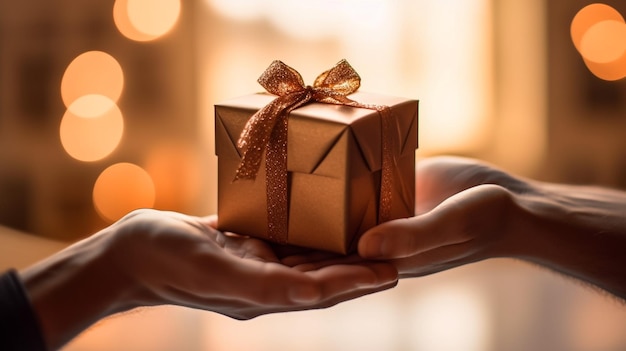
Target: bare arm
{"type": "Point", "coordinates": [469, 211]}
{"type": "Point", "coordinates": [153, 258]}
{"type": "Point", "coordinates": [577, 230]}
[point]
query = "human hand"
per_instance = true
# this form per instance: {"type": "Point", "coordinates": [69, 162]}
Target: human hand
{"type": "Point", "coordinates": [462, 209]}
{"type": "Point", "coordinates": [151, 258]}
{"type": "Point", "coordinates": [469, 211]}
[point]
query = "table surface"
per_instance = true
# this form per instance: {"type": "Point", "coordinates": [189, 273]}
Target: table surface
{"type": "Point", "coordinates": [19, 250]}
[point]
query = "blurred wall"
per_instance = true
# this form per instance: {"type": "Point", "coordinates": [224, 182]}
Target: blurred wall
{"type": "Point", "coordinates": [587, 121]}
{"type": "Point", "coordinates": [44, 190]}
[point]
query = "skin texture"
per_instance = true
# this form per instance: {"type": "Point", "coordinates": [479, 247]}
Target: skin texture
{"type": "Point", "coordinates": [153, 258]}
{"type": "Point", "coordinates": [469, 211]}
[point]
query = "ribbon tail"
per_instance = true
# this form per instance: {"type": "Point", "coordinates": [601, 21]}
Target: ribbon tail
{"type": "Point", "coordinates": [277, 189]}
{"type": "Point", "coordinates": [277, 177]}
{"type": "Point", "coordinates": [266, 131]}
{"type": "Point", "coordinates": [387, 167]}
{"type": "Point", "coordinates": [256, 135]}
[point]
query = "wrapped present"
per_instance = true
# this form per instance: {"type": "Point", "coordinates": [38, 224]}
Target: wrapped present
{"type": "Point", "coordinates": [314, 166]}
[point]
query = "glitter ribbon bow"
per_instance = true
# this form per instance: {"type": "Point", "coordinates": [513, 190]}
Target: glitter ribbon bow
{"type": "Point", "coordinates": [266, 131]}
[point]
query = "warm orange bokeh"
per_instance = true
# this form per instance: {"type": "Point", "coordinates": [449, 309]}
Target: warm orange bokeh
{"type": "Point", "coordinates": [121, 188]}
{"type": "Point", "coordinates": [93, 72]}
{"type": "Point", "coordinates": [604, 42]}
{"type": "Point", "coordinates": [175, 170]}
{"type": "Point", "coordinates": [91, 128]}
{"type": "Point", "coordinates": [588, 16]}
{"type": "Point", "coordinates": [599, 34]}
{"type": "Point", "coordinates": [145, 20]}
{"type": "Point", "coordinates": [610, 71]}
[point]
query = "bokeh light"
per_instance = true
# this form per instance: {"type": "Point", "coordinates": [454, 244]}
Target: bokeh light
{"type": "Point", "coordinates": [598, 32]}
{"type": "Point", "coordinates": [175, 171]}
{"type": "Point", "coordinates": [609, 71]}
{"type": "Point", "coordinates": [604, 42]}
{"type": "Point", "coordinates": [121, 188]}
{"type": "Point", "coordinates": [93, 72]}
{"type": "Point", "coordinates": [145, 20]}
{"type": "Point", "coordinates": [588, 16]}
{"type": "Point", "coordinates": [91, 128]}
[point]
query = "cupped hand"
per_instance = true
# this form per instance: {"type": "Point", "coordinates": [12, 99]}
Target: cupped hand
{"type": "Point", "coordinates": [153, 257]}
{"type": "Point", "coordinates": [469, 211]}
{"type": "Point", "coordinates": [463, 212]}
{"type": "Point", "coordinates": [183, 260]}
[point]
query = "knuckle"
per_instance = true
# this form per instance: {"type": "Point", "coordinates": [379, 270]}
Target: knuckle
{"type": "Point", "coordinates": [484, 214]}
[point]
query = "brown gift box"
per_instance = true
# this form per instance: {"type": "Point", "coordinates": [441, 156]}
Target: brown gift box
{"type": "Point", "coordinates": [334, 166]}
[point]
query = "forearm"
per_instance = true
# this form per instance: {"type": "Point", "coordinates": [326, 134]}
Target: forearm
{"type": "Point", "coordinates": [579, 231]}
{"type": "Point", "coordinates": [72, 290]}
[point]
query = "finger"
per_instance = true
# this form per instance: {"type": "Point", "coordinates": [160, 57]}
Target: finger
{"type": "Point", "coordinates": [309, 257]}
{"type": "Point", "coordinates": [305, 265]}
{"type": "Point", "coordinates": [458, 219]}
{"type": "Point", "coordinates": [438, 178]}
{"type": "Point", "coordinates": [336, 280]}
{"type": "Point", "coordinates": [244, 289]}
{"type": "Point", "coordinates": [439, 259]}
{"type": "Point", "coordinates": [356, 293]}
{"type": "Point", "coordinates": [210, 221]}
{"type": "Point", "coordinates": [278, 285]}
{"type": "Point", "coordinates": [333, 300]}
{"type": "Point", "coordinates": [347, 280]}
{"type": "Point", "coordinates": [256, 283]}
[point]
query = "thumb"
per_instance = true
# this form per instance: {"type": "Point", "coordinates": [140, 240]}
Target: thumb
{"type": "Point", "coordinates": [395, 239]}
{"type": "Point", "coordinates": [460, 218]}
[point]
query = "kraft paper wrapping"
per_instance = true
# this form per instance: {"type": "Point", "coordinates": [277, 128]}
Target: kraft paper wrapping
{"type": "Point", "coordinates": [334, 164]}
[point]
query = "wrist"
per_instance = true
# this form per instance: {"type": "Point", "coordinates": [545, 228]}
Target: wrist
{"type": "Point", "coordinates": [74, 288]}
{"type": "Point", "coordinates": [577, 230]}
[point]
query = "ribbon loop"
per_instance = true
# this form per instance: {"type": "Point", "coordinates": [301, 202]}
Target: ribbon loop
{"type": "Point", "coordinates": [341, 79]}
{"type": "Point", "coordinates": [266, 131]}
{"type": "Point", "coordinates": [280, 79]}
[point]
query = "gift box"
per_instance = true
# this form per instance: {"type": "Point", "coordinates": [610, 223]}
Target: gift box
{"type": "Point", "coordinates": [334, 157]}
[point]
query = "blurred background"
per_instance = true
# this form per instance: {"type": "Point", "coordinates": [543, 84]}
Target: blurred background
{"type": "Point", "coordinates": [107, 106]}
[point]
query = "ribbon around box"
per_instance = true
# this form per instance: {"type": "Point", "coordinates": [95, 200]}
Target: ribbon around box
{"type": "Point", "coordinates": [266, 131]}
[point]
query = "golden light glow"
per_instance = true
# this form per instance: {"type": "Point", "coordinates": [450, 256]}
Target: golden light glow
{"type": "Point", "coordinates": [124, 25]}
{"type": "Point", "coordinates": [144, 20]}
{"type": "Point", "coordinates": [91, 128]}
{"type": "Point", "coordinates": [599, 34]}
{"type": "Point", "coordinates": [443, 309]}
{"type": "Point", "coordinates": [238, 9]}
{"type": "Point", "coordinates": [377, 48]}
{"type": "Point", "coordinates": [596, 323]}
{"type": "Point", "coordinates": [174, 168]}
{"type": "Point", "coordinates": [589, 16]}
{"type": "Point", "coordinates": [308, 19]}
{"type": "Point", "coordinates": [604, 41]}
{"type": "Point", "coordinates": [93, 72]}
{"type": "Point", "coordinates": [609, 71]}
{"type": "Point", "coordinates": [121, 188]}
